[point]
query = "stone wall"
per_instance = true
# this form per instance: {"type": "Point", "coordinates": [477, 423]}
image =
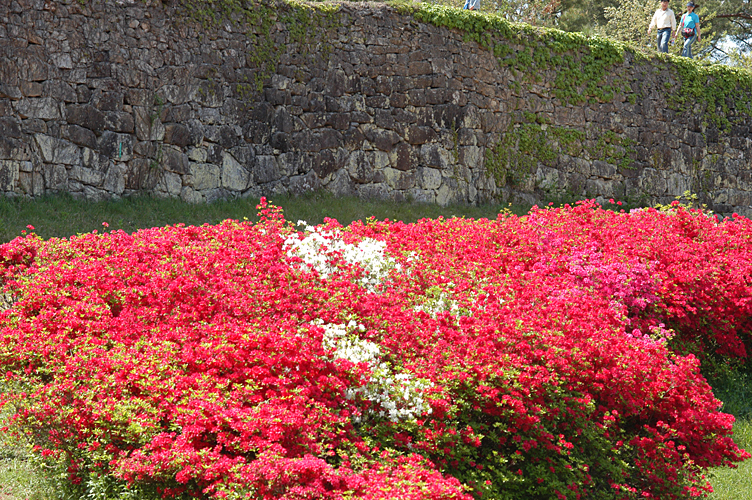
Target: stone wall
{"type": "Point", "coordinates": [116, 97]}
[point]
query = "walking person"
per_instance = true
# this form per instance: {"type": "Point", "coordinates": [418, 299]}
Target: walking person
{"type": "Point", "coordinates": [664, 20]}
{"type": "Point", "coordinates": [689, 27]}
{"type": "Point", "coordinates": [471, 5]}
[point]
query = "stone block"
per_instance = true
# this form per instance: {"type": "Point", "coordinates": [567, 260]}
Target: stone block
{"type": "Point", "coordinates": [266, 170]}
{"type": "Point", "coordinates": [429, 178]}
{"type": "Point", "coordinates": [280, 141]}
{"type": "Point", "coordinates": [92, 159]}
{"type": "Point", "coordinates": [55, 178]}
{"type": "Point", "coordinates": [198, 155]}
{"type": "Point", "coordinates": [174, 160]}
{"type": "Point", "coordinates": [141, 174]}
{"type": "Point", "coordinates": [10, 127]}
{"type": "Point", "coordinates": [31, 183]}
{"type": "Point", "coordinates": [384, 140]}
{"type": "Point", "coordinates": [366, 166]}
{"type": "Point", "coordinates": [85, 175]}
{"type": "Point", "coordinates": [119, 121]}
{"type": "Point", "coordinates": [11, 92]}
{"type": "Point", "coordinates": [353, 138]}
{"type": "Point", "coordinates": [114, 146]}
{"type": "Point", "coordinates": [9, 174]}
{"type": "Point", "coordinates": [652, 183]}
{"type": "Point", "coordinates": [324, 163]}
{"type": "Point", "coordinates": [96, 194]}
{"type": "Point", "coordinates": [375, 191]}
{"type": "Point", "coordinates": [44, 108]}
{"type": "Point", "coordinates": [603, 169]}
{"type": "Point", "coordinates": [147, 124]}
{"type": "Point", "coordinates": [416, 135]}
{"type": "Point", "coordinates": [177, 134]}
{"type": "Point", "coordinates": [114, 179]}
{"type": "Point", "coordinates": [34, 70]}
{"type": "Point", "coordinates": [85, 116]}
{"type": "Point", "coordinates": [600, 188]}
{"type": "Point", "coordinates": [57, 150]}
{"type": "Point", "coordinates": [235, 177]}
{"type": "Point", "coordinates": [741, 199]}
{"type": "Point", "coordinates": [447, 195]}
{"type": "Point", "coordinates": [189, 195]}
{"type": "Point", "coordinates": [422, 195]}
{"type": "Point", "coordinates": [178, 94]}
{"type": "Point", "coordinates": [300, 184]}
{"type": "Point", "coordinates": [204, 176]}
{"type": "Point", "coordinates": [62, 61]}
{"type": "Point", "coordinates": [677, 184]}
{"type": "Point", "coordinates": [79, 135]}
{"type": "Point", "coordinates": [471, 157]}
{"type": "Point", "coordinates": [437, 156]}
{"type": "Point", "coordinates": [341, 184]}
{"type": "Point", "coordinates": [170, 184]}
{"type": "Point", "coordinates": [398, 179]}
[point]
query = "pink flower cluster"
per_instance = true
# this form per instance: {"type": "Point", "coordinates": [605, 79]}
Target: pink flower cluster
{"type": "Point", "coordinates": [522, 357]}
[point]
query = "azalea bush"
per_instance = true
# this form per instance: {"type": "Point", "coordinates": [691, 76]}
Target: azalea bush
{"type": "Point", "coordinates": [554, 355]}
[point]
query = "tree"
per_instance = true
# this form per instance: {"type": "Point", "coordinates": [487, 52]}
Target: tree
{"type": "Point", "coordinates": [544, 13]}
{"type": "Point", "coordinates": [629, 22]}
{"type": "Point", "coordinates": [726, 25]}
{"type": "Point", "coordinates": [732, 21]}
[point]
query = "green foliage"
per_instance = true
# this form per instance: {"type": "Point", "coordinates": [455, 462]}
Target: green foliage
{"type": "Point", "coordinates": [581, 63]}
{"type": "Point", "coordinates": [710, 89]}
{"type": "Point", "coordinates": [306, 24]}
{"type": "Point", "coordinates": [628, 21]}
{"type": "Point", "coordinates": [513, 159]}
{"type": "Point", "coordinates": [584, 65]}
{"type": "Point", "coordinates": [721, 21]}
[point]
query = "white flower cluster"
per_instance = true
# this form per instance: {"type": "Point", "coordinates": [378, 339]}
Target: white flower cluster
{"type": "Point", "coordinates": [398, 396]}
{"type": "Point", "coordinates": [316, 247]}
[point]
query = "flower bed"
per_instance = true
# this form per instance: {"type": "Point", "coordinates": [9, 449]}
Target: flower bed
{"type": "Point", "coordinates": [525, 357]}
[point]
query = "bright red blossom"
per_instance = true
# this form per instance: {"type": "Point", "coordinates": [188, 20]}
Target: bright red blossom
{"type": "Point", "coordinates": [196, 358]}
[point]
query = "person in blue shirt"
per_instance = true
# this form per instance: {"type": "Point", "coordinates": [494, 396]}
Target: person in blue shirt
{"type": "Point", "coordinates": [472, 5]}
{"type": "Point", "coordinates": [689, 21]}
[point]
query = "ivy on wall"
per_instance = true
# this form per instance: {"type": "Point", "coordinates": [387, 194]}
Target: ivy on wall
{"type": "Point", "coordinates": [583, 63]}
{"type": "Point", "coordinates": [587, 70]}
{"type": "Point", "coordinates": [305, 24]}
{"type": "Point", "coordinates": [513, 159]}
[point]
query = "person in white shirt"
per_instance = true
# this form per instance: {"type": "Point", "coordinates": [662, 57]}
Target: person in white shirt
{"type": "Point", "coordinates": [664, 20]}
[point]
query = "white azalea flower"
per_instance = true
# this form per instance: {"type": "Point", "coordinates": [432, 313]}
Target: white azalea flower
{"type": "Point", "coordinates": [315, 249]}
{"type": "Point", "coordinates": [398, 395]}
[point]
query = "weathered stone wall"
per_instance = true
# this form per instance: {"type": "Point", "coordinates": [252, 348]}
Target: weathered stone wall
{"type": "Point", "coordinates": [117, 97]}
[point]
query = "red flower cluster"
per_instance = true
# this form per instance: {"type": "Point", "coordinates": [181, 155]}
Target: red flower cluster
{"type": "Point", "coordinates": [525, 357]}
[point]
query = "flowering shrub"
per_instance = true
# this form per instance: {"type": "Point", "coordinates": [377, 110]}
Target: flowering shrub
{"type": "Point", "coordinates": [525, 357]}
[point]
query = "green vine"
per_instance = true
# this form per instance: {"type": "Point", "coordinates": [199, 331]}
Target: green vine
{"type": "Point", "coordinates": [710, 89]}
{"type": "Point", "coordinates": [305, 24]}
{"type": "Point", "coordinates": [583, 64]}
{"type": "Point", "coordinates": [514, 158]}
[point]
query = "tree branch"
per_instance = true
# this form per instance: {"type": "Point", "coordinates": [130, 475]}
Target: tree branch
{"type": "Point", "coordinates": [740, 15]}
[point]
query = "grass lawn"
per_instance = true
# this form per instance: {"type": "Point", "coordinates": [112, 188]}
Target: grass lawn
{"type": "Point", "coordinates": [20, 479]}
{"type": "Point", "coordinates": [735, 390]}
{"type": "Point", "coordinates": [62, 216]}
{"type": "Point", "coordinates": [735, 484]}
